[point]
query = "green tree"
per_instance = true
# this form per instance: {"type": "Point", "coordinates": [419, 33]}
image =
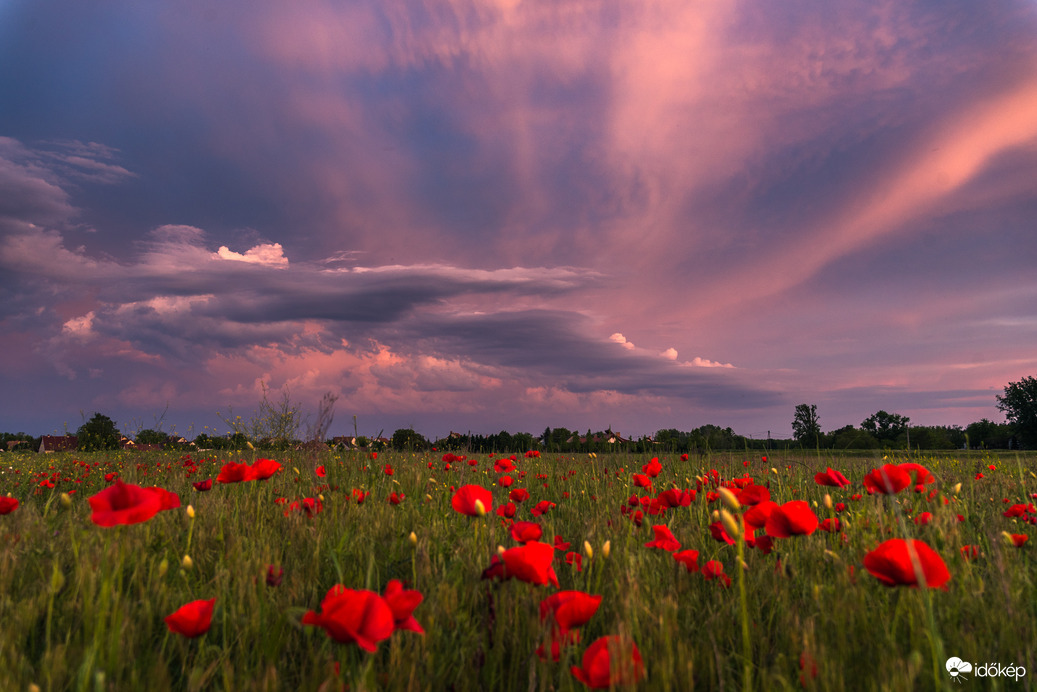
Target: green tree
{"type": "Point", "coordinates": [886, 427]}
{"type": "Point", "coordinates": [98, 433]}
{"type": "Point", "coordinates": [406, 438]}
{"type": "Point", "coordinates": [151, 437]}
{"type": "Point", "coordinates": [1019, 404]}
{"type": "Point", "coordinates": [806, 428]}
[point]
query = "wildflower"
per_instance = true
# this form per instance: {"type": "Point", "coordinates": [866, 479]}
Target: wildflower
{"type": "Point", "coordinates": [652, 468]}
{"type": "Point", "coordinates": [831, 478]}
{"type": "Point", "coordinates": [888, 480]}
{"type": "Point", "coordinates": [274, 578]}
{"type": "Point", "coordinates": [1015, 539]}
{"type": "Point", "coordinates": [351, 616]}
{"type": "Point", "coordinates": [610, 662]}
{"type": "Point", "coordinates": [123, 503]}
{"type": "Point", "coordinates": [793, 518]}
{"type": "Point", "coordinates": [894, 564]}
{"type": "Point", "coordinates": [526, 531]}
{"type": "Point", "coordinates": [531, 563]}
{"type": "Point", "coordinates": [518, 495]}
{"type": "Point", "coordinates": [321, 471]}
{"type": "Point", "coordinates": [688, 558]}
{"type": "Point", "coordinates": [664, 539]}
{"type": "Point", "coordinates": [202, 486]}
{"type": "Point", "coordinates": [191, 619]}
{"type": "Point", "coordinates": [542, 507]}
{"type": "Point", "coordinates": [470, 498]}
{"type": "Point", "coordinates": [569, 609]}
{"type": "Point", "coordinates": [402, 603]}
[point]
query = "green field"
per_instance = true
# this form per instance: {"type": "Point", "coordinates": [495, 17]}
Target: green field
{"type": "Point", "coordinates": [83, 607]}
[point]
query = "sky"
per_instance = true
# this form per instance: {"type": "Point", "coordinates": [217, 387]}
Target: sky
{"type": "Point", "coordinates": [485, 215]}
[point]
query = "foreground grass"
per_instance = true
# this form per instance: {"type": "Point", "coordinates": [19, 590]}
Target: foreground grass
{"type": "Point", "coordinates": [82, 607]}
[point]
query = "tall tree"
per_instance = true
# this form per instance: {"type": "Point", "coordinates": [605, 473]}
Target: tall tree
{"type": "Point", "coordinates": [98, 433]}
{"type": "Point", "coordinates": [1019, 404]}
{"type": "Point", "coordinates": [806, 427]}
{"type": "Point", "coordinates": [885, 426]}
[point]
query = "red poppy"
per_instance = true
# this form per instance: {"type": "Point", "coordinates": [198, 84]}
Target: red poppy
{"type": "Point", "coordinates": [924, 518]}
{"type": "Point", "coordinates": [570, 609]}
{"type": "Point", "coordinates": [793, 518]}
{"type": "Point", "coordinates": [642, 481]}
{"type": "Point", "coordinates": [273, 578]}
{"type": "Point", "coordinates": [608, 662]}
{"type": "Point", "coordinates": [1018, 539]}
{"type": "Point", "coordinates": [353, 616]}
{"type": "Point", "coordinates": [558, 640]}
{"type": "Point", "coordinates": [757, 516]}
{"type": "Point", "coordinates": [688, 558]}
{"type": "Point", "coordinates": [191, 619]}
{"type": "Point", "coordinates": [123, 503]}
{"type": "Point", "coordinates": [652, 468]}
{"type": "Point", "coordinates": [234, 472]}
{"type": "Point", "coordinates": [503, 466]}
{"type": "Point", "coordinates": [560, 544]}
{"type": "Point", "coordinates": [396, 498]}
{"type": "Point", "coordinates": [518, 494]}
{"type": "Point", "coordinates": [8, 505]}
{"type": "Point", "coordinates": [574, 559]}
{"type": "Point", "coordinates": [526, 531]}
{"type": "Point", "coordinates": [402, 603]}
{"type": "Point", "coordinates": [531, 563]}
{"type": "Point", "coordinates": [202, 486]}
{"type": "Point", "coordinates": [969, 552]}
{"type": "Point", "coordinates": [714, 569]}
{"type": "Point", "coordinates": [466, 497]}
{"type": "Point", "coordinates": [918, 473]}
{"type": "Point", "coordinates": [753, 494]}
{"type": "Point", "coordinates": [321, 471]}
{"type": "Point", "coordinates": [387, 470]}
{"type": "Point", "coordinates": [542, 507]}
{"type": "Point", "coordinates": [167, 499]}
{"type": "Point", "coordinates": [831, 525]}
{"type": "Point", "coordinates": [506, 510]}
{"type": "Point", "coordinates": [888, 480]}
{"type": "Point", "coordinates": [264, 468]}
{"type": "Point", "coordinates": [505, 481]}
{"type": "Point", "coordinates": [901, 562]}
{"type": "Point", "coordinates": [664, 539]}
{"type": "Point", "coordinates": [831, 478]}
{"type": "Point", "coordinates": [716, 529]}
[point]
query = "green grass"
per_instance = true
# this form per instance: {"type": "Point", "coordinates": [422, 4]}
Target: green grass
{"type": "Point", "coordinates": [82, 607]}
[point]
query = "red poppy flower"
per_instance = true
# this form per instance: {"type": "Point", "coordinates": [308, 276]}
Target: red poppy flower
{"type": "Point", "coordinates": [714, 569]}
{"type": "Point", "coordinates": [558, 640]}
{"type": "Point", "coordinates": [757, 516]}
{"type": "Point", "coordinates": [518, 494]}
{"type": "Point", "coordinates": [264, 468]}
{"type": "Point", "coordinates": [506, 510]}
{"type": "Point", "coordinates": [831, 525]}
{"type": "Point", "coordinates": [402, 603]}
{"type": "Point", "coordinates": [831, 478]}
{"type": "Point", "coordinates": [202, 486]}
{"type": "Point", "coordinates": [574, 559]}
{"type": "Point", "coordinates": [716, 529]}
{"type": "Point", "coordinates": [352, 616]}
{"type": "Point", "coordinates": [273, 578]}
{"type": "Point", "coordinates": [560, 544]}
{"type": "Point", "coordinates": [191, 619]}
{"type": "Point", "coordinates": [888, 480]}
{"type": "Point", "coordinates": [688, 558]}
{"type": "Point", "coordinates": [505, 481]}
{"type": "Point", "coordinates": [918, 473]}
{"type": "Point", "coordinates": [167, 499]}
{"type": "Point", "coordinates": [503, 466]}
{"type": "Point", "coordinates": [526, 531]}
{"type": "Point", "coordinates": [123, 503]}
{"type": "Point", "coordinates": [466, 497]}
{"type": "Point", "coordinates": [321, 471]}
{"type": "Point", "coordinates": [1018, 539]}
{"type": "Point", "coordinates": [969, 552]}
{"type": "Point", "coordinates": [8, 505]}
{"type": "Point", "coordinates": [753, 494]}
{"type": "Point", "coordinates": [570, 609]}
{"type": "Point", "coordinates": [109, 477]}
{"type": "Point", "coordinates": [653, 468]}
{"type": "Point", "coordinates": [664, 539]}
{"type": "Point", "coordinates": [531, 563]}
{"type": "Point", "coordinates": [608, 662]}
{"type": "Point", "coordinates": [901, 562]}
{"type": "Point", "coordinates": [924, 518]}
{"type": "Point", "coordinates": [793, 518]}
{"type": "Point", "coordinates": [642, 481]}
{"type": "Point", "coordinates": [542, 507]}
{"type": "Point", "coordinates": [765, 544]}
{"type": "Point", "coordinates": [396, 498]}
{"type": "Point", "coordinates": [234, 472]}
{"type": "Point", "coordinates": [387, 470]}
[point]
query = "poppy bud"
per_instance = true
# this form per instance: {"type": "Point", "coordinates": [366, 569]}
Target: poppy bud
{"type": "Point", "coordinates": [730, 525]}
{"type": "Point", "coordinates": [480, 508]}
{"type": "Point", "coordinates": [163, 567]}
{"type": "Point", "coordinates": [729, 499]}
{"type": "Point", "coordinates": [190, 511]}
{"type": "Point", "coordinates": [957, 488]}
{"type": "Point", "coordinates": [66, 500]}
{"type": "Point", "coordinates": [716, 515]}
{"type": "Point", "coordinates": [606, 548]}
{"type": "Point", "coordinates": [296, 469]}
{"type": "Point", "coordinates": [588, 549]}
{"type": "Point", "coordinates": [249, 445]}
{"type": "Point", "coordinates": [413, 538]}
{"type": "Point", "coordinates": [501, 550]}
{"type": "Point", "coordinates": [828, 501]}
{"type": "Point", "coordinates": [774, 471]}
{"type": "Point", "coordinates": [320, 497]}
{"type": "Point", "coordinates": [187, 562]}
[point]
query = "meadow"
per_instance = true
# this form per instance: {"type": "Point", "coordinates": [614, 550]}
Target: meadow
{"type": "Point", "coordinates": [722, 571]}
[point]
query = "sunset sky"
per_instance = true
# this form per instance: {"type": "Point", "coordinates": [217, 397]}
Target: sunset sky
{"type": "Point", "coordinates": [513, 214]}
